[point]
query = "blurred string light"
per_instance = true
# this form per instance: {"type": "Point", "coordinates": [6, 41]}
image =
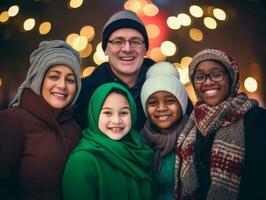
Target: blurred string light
{"type": "Point", "coordinates": [75, 3]}
{"type": "Point", "coordinates": [99, 56]}
{"type": "Point", "coordinates": [184, 77]}
{"type": "Point", "coordinates": [168, 48]}
{"type": "Point", "coordinates": [150, 10]}
{"type": "Point", "coordinates": [13, 11]}
{"type": "Point", "coordinates": [219, 14]}
{"type": "Point", "coordinates": [185, 61]}
{"type": "Point", "coordinates": [191, 93]}
{"type": "Point", "coordinates": [80, 43]}
{"type": "Point", "coordinates": [210, 10]}
{"type": "Point", "coordinates": [196, 34]}
{"type": "Point", "coordinates": [45, 28]}
{"type": "Point", "coordinates": [29, 24]}
{"type": "Point", "coordinates": [210, 23]}
{"type": "Point", "coordinates": [173, 23]}
{"type": "Point", "coordinates": [1, 82]}
{"type": "Point", "coordinates": [196, 11]}
{"type": "Point", "coordinates": [184, 19]}
{"type": "Point", "coordinates": [70, 38]}
{"type": "Point", "coordinates": [142, 6]}
{"type": "Point", "coordinates": [87, 71]}
{"type": "Point", "coordinates": [86, 52]}
{"type": "Point", "coordinates": [182, 68]}
{"type": "Point", "coordinates": [4, 16]}
{"type": "Point", "coordinates": [153, 30]}
{"type": "Point", "coordinates": [88, 31]}
{"type": "Point", "coordinates": [157, 55]}
{"type": "Point", "coordinates": [183, 72]}
{"type": "Point", "coordinates": [133, 5]}
{"type": "Point", "coordinates": [250, 84]}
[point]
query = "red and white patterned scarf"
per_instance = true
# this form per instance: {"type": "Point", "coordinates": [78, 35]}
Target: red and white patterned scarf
{"type": "Point", "coordinates": [227, 154]}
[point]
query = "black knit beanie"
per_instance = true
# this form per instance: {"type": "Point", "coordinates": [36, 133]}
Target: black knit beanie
{"type": "Point", "coordinates": [124, 19]}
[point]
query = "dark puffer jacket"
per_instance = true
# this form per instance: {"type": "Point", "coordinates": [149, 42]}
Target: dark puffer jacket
{"type": "Point", "coordinates": [35, 141]}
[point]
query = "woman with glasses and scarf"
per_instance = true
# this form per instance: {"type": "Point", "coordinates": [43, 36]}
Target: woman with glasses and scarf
{"type": "Point", "coordinates": [221, 152]}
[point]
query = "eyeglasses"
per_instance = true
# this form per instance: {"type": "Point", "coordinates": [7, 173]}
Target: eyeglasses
{"type": "Point", "coordinates": [120, 42]}
{"type": "Point", "coordinates": [199, 78]}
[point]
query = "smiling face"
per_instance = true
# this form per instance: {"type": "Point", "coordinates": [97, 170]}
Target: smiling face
{"type": "Point", "coordinates": [126, 61]}
{"type": "Point", "coordinates": [115, 116]}
{"type": "Point", "coordinates": [163, 110]}
{"type": "Point", "coordinates": [59, 86]}
{"type": "Point", "coordinates": [210, 92]}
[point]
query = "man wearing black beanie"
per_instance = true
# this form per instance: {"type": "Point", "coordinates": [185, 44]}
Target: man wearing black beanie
{"type": "Point", "coordinates": [125, 41]}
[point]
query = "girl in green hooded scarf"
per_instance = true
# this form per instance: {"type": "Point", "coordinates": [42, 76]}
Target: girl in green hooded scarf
{"type": "Point", "coordinates": [110, 162]}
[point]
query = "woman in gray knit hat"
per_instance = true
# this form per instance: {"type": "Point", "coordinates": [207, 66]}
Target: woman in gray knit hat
{"type": "Point", "coordinates": [37, 130]}
{"type": "Point", "coordinates": [221, 152]}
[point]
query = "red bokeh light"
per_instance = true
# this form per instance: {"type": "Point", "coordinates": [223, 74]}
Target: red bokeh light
{"type": "Point", "coordinates": [160, 21]}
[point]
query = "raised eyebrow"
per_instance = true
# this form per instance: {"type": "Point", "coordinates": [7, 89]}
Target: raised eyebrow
{"type": "Point", "coordinates": [106, 108]}
{"type": "Point", "coordinates": [136, 37]}
{"type": "Point", "coordinates": [54, 71]}
{"type": "Point", "coordinates": [170, 96]}
{"type": "Point", "coordinates": [118, 38]}
{"type": "Point", "coordinates": [71, 74]}
{"type": "Point", "coordinates": [132, 38]}
{"type": "Point", "coordinates": [202, 73]}
{"type": "Point", "coordinates": [215, 68]}
{"type": "Point", "coordinates": [152, 98]}
{"type": "Point", "coordinates": [218, 71]}
{"type": "Point", "coordinates": [59, 72]}
{"type": "Point", "coordinates": [199, 72]}
{"type": "Point", "coordinates": [126, 107]}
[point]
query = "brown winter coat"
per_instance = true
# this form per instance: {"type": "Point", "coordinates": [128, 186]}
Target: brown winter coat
{"type": "Point", "coordinates": [35, 141]}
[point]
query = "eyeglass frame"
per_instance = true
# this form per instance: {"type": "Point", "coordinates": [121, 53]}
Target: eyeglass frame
{"type": "Point", "coordinates": [124, 41]}
{"type": "Point", "coordinates": [206, 76]}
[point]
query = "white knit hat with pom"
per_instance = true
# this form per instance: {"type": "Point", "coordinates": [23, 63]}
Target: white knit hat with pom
{"type": "Point", "coordinates": [162, 68]}
{"type": "Point", "coordinates": [163, 76]}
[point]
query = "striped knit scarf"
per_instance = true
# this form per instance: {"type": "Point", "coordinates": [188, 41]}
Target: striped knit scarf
{"type": "Point", "coordinates": [228, 150]}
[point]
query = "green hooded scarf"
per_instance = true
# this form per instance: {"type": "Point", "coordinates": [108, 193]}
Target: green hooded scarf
{"type": "Point", "coordinates": [102, 168]}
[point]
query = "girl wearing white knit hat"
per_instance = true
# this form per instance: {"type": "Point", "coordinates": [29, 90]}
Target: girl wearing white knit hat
{"type": "Point", "coordinates": [164, 100]}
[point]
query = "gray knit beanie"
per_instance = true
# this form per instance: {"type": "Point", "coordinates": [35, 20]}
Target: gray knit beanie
{"type": "Point", "coordinates": [48, 54]}
{"type": "Point", "coordinates": [222, 57]}
{"type": "Point", "coordinates": [124, 19]}
{"type": "Point", "coordinates": [167, 80]}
